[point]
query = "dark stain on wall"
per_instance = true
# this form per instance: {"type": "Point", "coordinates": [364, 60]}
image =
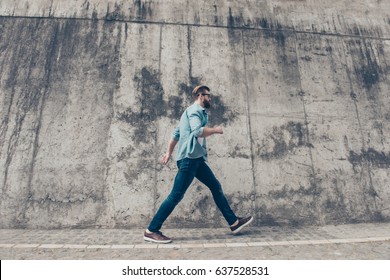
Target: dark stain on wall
{"type": "Point", "coordinates": [263, 23]}
{"type": "Point", "coordinates": [233, 22]}
{"type": "Point", "coordinates": [293, 206]}
{"type": "Point", "coordinates": [367, 68]}
{"type": "Point", "coordinates": [116, 14]}
{"type": "Point", "coordinates": [42, 60]}
{"type": "Point", "coordinates": [237, 152]}
{"type": "Point", "coordinates": [151, 98]}
{"type": "Point", "coordinates": [139, 11]}
{"type": "Point", "coordinates": [359, 30]}
{"type": "Point", "coordinates": [152, 105]}
{"type": "Point", "coordinates": [375, 158]}
{"type": "Point", "coordinates": [219, 113]}
{"type": "Point", "coordinates": [369, 73]}
{"type": "Point", "coordinates": [335, 207]}
{"type": "Point", "coordinates": [28, 72]}
{"type": "Point", "coordinates": [143, 9]}
{"type": "Point", "coordinates": [176, 107]}
{"type": "Point", "coordinates": [286, 56]}
{"type": "Point", "coordinates": [288, 192]}
{"type": "Point", "coordinates": [178, 103]}
{"type": "Point", "coordinates": [216, 17]}
{"type": "Point", "coordinates": [282, 140]}
{"type": "Point", "coordinates": [280, 38]}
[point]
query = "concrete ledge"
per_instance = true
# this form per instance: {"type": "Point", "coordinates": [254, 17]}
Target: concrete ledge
{"type": "Point", "coordinates": [98, 246]}
{"type": "Point", "coordinates": [74, 246]}
{"type": "Point", "coordinates": [200, 245]}
{"type": "Point", "coordinates": [51, 246]}
{"type": "Point", "coordinates": [19, 246]}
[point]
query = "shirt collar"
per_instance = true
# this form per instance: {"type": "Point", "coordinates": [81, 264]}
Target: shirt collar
{"type": "Point", "coordinates": [200, 107]}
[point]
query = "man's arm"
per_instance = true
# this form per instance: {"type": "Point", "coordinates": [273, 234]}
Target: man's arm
{"type": "Point", "coordinates": [208, 131]}
{"type": "Point", "coordinates": [196, 126]}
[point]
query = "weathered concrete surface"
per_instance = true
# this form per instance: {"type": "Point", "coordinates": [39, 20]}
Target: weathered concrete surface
{"type": "Point", "coordinates": [91, 91]}
{"type": "Point", "coordinates": [362, 17]}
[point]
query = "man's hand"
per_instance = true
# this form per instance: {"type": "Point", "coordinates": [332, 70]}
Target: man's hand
{"type": "Point", "coordinates": [218, 130]}
{"type": "Point", "coordinates": [165, 158]}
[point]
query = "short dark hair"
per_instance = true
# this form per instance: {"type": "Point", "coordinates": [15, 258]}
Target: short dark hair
{"type": "Point", "coordinates": [198, 90]}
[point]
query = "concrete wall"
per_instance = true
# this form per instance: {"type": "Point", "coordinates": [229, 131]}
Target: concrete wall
{"type": "Point", "coordinates": [91, 91]}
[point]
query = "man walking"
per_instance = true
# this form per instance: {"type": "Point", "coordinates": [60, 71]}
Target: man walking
{"type": "Point", "coordinates": [191, 135]}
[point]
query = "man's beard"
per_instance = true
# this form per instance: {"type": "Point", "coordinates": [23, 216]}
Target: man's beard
{"type": "Point", "coordinates": [206, 104]}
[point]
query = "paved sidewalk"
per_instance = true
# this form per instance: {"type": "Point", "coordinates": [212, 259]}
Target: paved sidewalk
{"type": "Point", "coordinates": [355, 241]}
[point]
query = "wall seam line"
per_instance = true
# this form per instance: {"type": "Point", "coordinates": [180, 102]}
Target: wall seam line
{"type": "Point", "coordinates": [249, 129]}
{"type": "Point", "coordinates": [313, 177]}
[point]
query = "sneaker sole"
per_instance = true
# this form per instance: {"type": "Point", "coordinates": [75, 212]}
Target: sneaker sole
{"type": "Point", "coordinates": [241, 227]}
{"type": "Point", "coordinates": [157, 241]}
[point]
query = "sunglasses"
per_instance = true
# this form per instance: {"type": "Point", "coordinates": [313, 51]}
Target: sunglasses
{"type": "Point", "coordinates": [206, 94]}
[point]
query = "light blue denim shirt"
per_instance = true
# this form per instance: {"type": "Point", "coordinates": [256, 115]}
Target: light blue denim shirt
{"type": "Point", "coordinates": [191, 125]}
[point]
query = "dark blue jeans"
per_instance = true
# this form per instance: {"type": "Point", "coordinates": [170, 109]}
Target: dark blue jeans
{"type": "Point", "coordinates": [188, 170]}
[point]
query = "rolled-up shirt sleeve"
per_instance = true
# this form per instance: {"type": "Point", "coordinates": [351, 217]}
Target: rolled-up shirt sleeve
{"type": "Point", "coordinates": [176, 134]}
{"type": "Point", "coordinates": [196, 124]}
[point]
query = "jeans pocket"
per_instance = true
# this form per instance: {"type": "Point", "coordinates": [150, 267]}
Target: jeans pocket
{"type": "Point", "coordinates": [183, 164]}
{"type": "Point", "coordinates": [187, 164]}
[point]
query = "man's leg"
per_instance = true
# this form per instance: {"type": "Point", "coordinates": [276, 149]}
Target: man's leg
{"type": "Point", "coordinates": [206, 176]}
{"type": "Point", "coordinates": [185, 175]}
